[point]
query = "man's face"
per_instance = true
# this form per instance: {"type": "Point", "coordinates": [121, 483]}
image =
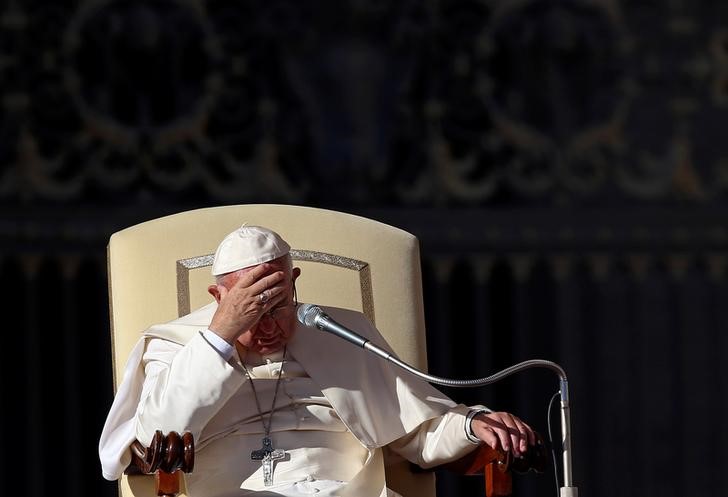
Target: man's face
{"type": "Point", "coordinates": [276, 327]}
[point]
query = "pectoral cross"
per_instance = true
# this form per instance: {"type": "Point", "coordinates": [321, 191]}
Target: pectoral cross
{"type": "Point", "coordinates": [267, 455]}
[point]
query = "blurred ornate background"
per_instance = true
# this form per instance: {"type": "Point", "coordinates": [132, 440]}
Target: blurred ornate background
{"type": "Point", "coordinates": [563, 163]}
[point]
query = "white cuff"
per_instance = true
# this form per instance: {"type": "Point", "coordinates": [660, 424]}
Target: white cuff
{"type": "Point", "coordinates": [219, 344]}
{"type": "Point", "coordinates": [474, 411]}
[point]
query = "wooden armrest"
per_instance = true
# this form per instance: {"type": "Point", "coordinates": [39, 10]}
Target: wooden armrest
{"type": "Point", "coordinates": [165, 457]}
{"type": "Point", "coordinates": [169, 455]}
{"type": "Point", "coordinates": [497, 466]}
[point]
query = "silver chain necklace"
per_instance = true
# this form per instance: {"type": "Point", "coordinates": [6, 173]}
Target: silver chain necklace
{"type": "Point", "coordinates": [267, 455]}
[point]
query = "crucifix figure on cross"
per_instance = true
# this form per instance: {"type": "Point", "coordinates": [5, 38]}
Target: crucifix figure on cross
{"type": "Point", "coordinates": [267, 455]}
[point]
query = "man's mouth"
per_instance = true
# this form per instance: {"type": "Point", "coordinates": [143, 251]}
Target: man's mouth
{"type": "Point", "coordinates": [267, 341]}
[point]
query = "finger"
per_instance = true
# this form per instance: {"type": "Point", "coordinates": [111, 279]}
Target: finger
{"type": "Point", "coordinates": [523, 434]}
{"type": "Point", "coordinates": [279, 294]}
{"type": "Point", "coordinates": [487, 435]}
{"type": "Point", "coordinates": [261, 299]}
{"type": "Point", "coordinates": [266, 282]}
{"type": "Point", "coordinates": [511, 430]}
{"type": "Point", "coordinates": [223, 291]}
{"type": "Point", "coordinates": [505, 433]}
{"type": "Point", "coordinates": [495, 423]}
{"type": "Point", "coordinates": [271, 297]}
{"type": "Point", "coordinates": [530, 433]}
{"type": "Point", "coordinates": [254, 274]}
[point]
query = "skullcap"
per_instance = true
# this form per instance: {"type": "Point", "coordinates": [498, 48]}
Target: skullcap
{"type": "Point", "coordinates": [247, 246]}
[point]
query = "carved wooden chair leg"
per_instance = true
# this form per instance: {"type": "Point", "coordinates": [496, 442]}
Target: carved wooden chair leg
{"type": "Point", "coordinates": [497, 466]}
{"type": "Point", "coordinates": [167, 483]}
{"type": "Point", "coordinates": [492, 464]}
{"type": "Point", "coordinates": [498, 480]}
{"type": "Point", "coordinates": [167, 457]}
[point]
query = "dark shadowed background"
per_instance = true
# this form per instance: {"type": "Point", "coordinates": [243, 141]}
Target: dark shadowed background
{"type": "Point", "coordinates": [564, 164]}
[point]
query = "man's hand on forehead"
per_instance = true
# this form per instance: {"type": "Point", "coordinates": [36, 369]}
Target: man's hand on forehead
{"type": "Point", "coordinates": [241, 306]}
{"type": "Point", "coordinates": [269, 274]}
{"type": "Point", "coordinates": [261, 272]}
{"type": "Point", "coordinates": [265, 269]}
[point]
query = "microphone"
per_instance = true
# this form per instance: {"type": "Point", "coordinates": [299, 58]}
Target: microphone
{"type": "Point", "coordinates": [314, 317]}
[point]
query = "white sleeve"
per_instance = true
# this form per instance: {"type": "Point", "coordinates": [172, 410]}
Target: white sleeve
{"type": "Point", "coordinates": [439, 440]}
{"type": "Point", "coordinates": [218, 343]}
{"type": "Point", "coordinates": [118, 432]}
{"type": "Point", "coordinates": [185, 386]}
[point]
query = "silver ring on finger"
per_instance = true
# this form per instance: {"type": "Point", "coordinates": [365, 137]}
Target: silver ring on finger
{"type": "Point", "coordinates": [263, 297]}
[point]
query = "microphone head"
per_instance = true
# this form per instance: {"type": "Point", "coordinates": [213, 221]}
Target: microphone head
{"type": "Point", "coordinates": [307, 314]}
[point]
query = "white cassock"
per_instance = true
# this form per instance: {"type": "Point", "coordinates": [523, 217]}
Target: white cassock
{"type": "Point", "coordinates": [337, 406]}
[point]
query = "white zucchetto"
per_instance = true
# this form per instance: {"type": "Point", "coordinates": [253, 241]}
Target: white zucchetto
{"type": "Point", "coordinates": [248, 246]}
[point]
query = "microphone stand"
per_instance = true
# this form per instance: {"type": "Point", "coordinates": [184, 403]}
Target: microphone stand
{"type": "Point", "coordinates": [311, 315]}
{"type": "Point", "coordinates": [567, 489]}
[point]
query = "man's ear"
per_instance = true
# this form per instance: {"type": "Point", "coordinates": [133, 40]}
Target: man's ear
{"type": "Point", "coordinates": [215, 292]}
{"type": "Point", "coordinates": [296, 273]}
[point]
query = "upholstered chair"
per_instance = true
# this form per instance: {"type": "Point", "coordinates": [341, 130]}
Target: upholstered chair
{"type": "Point", "coordinates": [159, 270]}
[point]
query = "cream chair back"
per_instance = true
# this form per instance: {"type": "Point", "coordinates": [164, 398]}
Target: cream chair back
{"type": "Point", "coordinates": [160, 270]}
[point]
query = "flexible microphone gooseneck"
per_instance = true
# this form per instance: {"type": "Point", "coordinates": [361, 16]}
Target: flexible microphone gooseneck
{"type": "Point", "coordinates": [314, 317]}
